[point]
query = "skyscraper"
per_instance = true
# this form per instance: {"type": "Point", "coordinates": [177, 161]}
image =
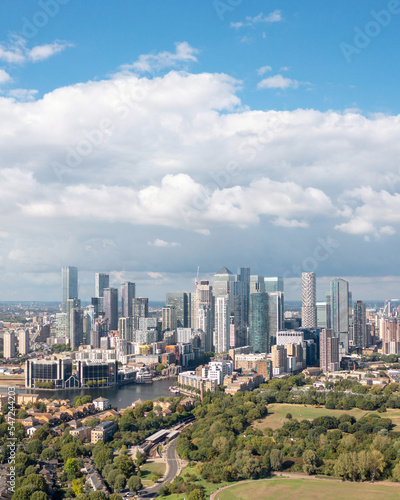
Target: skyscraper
{"type": "Point", "coordinates": [258, 318]}
{"type": "Point", "coordinates": [182, 302]}
{"type": "Point", "coordinates": [339, 306]}
{"type": "Point", "coordinates": [273, 284]}
{"type": "Point", "coordinates": [276, 308]}
{"type": "Point", "coordinates": [9, 345]}
{"type": "Point", "coordinates": [309, 299]}
{"type": "Point", "coordinates": [102, 281]}
{"type": "Point", "coordinates": [127, 294]}
{"type": "Point", "coordinates": [224, 296]}
{"type": "Point", "coordinates": [359, 325]}
{"type": "Point", "coordinates": [329, 351]}
{"type": "Point", "coordinates": [76, 328]}
{"type": "Point", "coordinates": [111, 307]}
{"type": "Point", "coordinates": [257, 283]}
{"type": "Point", "coordinates": [23, 342]}
{"type": "Point", "coordinates": [241, 306]}
{"type": "Point", "coordinates": [69, 277]}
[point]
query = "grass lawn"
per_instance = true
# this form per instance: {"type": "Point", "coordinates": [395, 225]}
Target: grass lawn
{"type": "Point", "coordinates": [394, 415]}
{"type": "Point", "coordinates": [209, 487]}
{"type": "Point", "coordinates": [310, 489]}
{"type": "Point", "coordinates": [277, 413]}
{"type": "Point", "coordinates": [148, 468]}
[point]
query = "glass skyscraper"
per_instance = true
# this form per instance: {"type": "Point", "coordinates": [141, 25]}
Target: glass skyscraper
{"type": "Point", "coordinates": [258, 318]}
{"type": "Point", "coordinates": [69, 276]}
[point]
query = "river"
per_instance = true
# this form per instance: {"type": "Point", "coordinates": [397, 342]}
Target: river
{"type": "Point", "coordinates": [121, 397]}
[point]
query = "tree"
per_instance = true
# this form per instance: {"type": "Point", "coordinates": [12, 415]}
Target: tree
{"type": "Point", "coordinates": [48, 454]}
{"type": "Point", "coordinates": [102, 457]}
{"type": "Point", "coordinates": [77, 486]}
{"type": "Point", "coordinates": [120, 482]}
{"type": "Point", "coordinates": [69, 450]}
{"type": "Point", "coordinates": [276, 459]}
{"type": "Point", "coordinates": [71, 468]}
{"type": "Point", "coordinates": [197, 494]}
{"type": "Point", "coordinates": [22, 414]}
{"type": "Point", "coordinates": [134, 484]}
{"type": "Point", "coordinates": [140, 458]}
{"type": "Point", "coordinates": [125, 464]}
{"type": "Point", "coordinates": [39, 495]}
{"type": "Point", "coordinates": [376, 463]}
{"type": "Point", "coordinates": [309, 462]}
{"type": "Point", "coordinates": [114, 496]}
{"type": "Point", "coordinates": [289, 416]}
{"type": "Point", "coordinates": [396, 473]}
{"type": "Point", "coordinates": [97, 495]}
{"type": "Point", "coordinates": [38, 482]}
{"type": "Point", "coordinates": [34, 446]}
{"type": "Point", "coordinates": [111, 476]}
{"type": "Point", "coordinates": [23, 493]}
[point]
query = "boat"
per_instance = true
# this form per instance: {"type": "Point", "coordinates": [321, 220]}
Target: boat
{"type": "Point", "coordinates": [174, 390]}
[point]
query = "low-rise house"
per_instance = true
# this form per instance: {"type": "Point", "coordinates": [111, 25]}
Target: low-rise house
{"type": "Point", "coordinates": [82, 433]}
{"type": "Point", "coordinates": [102, 404]}
{"type": "Point", "coordinates": [29, 421]}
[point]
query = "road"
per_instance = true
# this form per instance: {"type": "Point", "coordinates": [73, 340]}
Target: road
{"type": "Point", "coordinates": [172, 471]}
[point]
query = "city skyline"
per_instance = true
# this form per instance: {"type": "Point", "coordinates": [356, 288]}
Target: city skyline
{"type": "Point", "coordinates": [198, 135]}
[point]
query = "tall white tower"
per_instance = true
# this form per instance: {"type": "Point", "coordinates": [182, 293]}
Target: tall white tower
{"type": "Point", "coordinates": [309, 300]}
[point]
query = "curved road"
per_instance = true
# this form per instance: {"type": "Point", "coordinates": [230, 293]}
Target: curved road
{"type": "Point", "coordinates": [171, 472]}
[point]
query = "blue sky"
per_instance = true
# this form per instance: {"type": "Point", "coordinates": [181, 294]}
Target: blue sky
{"type": "Point", "coordinates": [147, 138]}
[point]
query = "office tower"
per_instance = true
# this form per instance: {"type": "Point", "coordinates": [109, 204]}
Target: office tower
{"type": "Point", "coordinates": [309, 308]}
{"type": "Point", "coordinates": [359, 325]}
{"type": "Point", "coordinates": [329, 351]}
{"type": "Point", "coordinates": [205, 322]}
{"type": "Point", "coordinates": [23, 342]}
{"type": "Point", "coordinates": [258, 318]}
{"type": "Point", "coordinates": [279, 359]}
{"type": "Point", "coordinates": [339, 306]}
{"type": "Point", "coordinates": [257, 283]}
{"type": "Point", "coordinates": [140, 310]}
{"type": "Point", "coordinates": [127, 294]}
{"type": "Point", "coordinates": [168, 318]}
{"type": "Point", "coordinates": [9, 345]}
{"type": "Point", "coordinates": [69, 277]}
{"type": "Point", "coordinates": [323, 315]}
{"type": "Point", "coordinates": [202, 297]}
{"type": "Point", "coordinates": [276, 308]}
{"type": "Point", "coordinates": [102, 281]}
{"type": "Point", "coordinates": [90, 315]}
{"type": "Point", "coordinates": [390, 332]}
{"type": "Point", "coordinates": [76, 328]}
{"type": "Point", "coordinates": [273, 284]}
{"type": "Point", "coordinates": [111, 307]}
{"type": "Point", "coordinates": [71, 304]}
{"type": "Point", "coordinates": [182, 302]}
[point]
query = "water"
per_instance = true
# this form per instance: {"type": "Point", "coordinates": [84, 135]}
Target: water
{"type": "Point", "coordinates": [121, 397]}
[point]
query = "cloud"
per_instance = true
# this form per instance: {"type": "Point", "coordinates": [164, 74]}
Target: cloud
{"type": "Point", "coordinates": [148, 63]}
{"type": "Point", "coordinates": [42, 52]}
{"type": "Point", "coordinates": [273, 17]}
{"type": "Point", "coordinates": [4, 76]}
{"type": "Point", "coordinates": [263, 70]}
{"type": "Point", "coordinates": [23, 94]}
{"type": "Point", "coordinates": [162, 244]}
{"type": "Point", "coordinates": [17, 52]}
{"type": "Point", "coordinates": [278, 82]}
{"type": "Point", "coordinates": [375, 213]}
{"type": "Point", "coordinates": [178, 158]}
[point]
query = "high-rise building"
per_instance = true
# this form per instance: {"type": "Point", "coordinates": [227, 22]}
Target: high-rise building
{"type": "Point", "coordinates": [69, 277]}
{"type": "Point", "coordinates": [125, 328]}
{"type": "Point", "coordinates": [329, 351]}
{"type": "Point", "coordinates": [359, 325]}
{"type": "Point", "coordinates": [258, 318]}
{"type": "Point", "coordinates": [140, 310]}
{"type": "Point", "coordinates": [111, 307]}
{"type": "Point", "coordinates": [241, 306]}
{"type": "Point", "coordinates": [276, 308]}
{"type": "Point", "coordinates": [72, 304]}
{"type": "Point", "coordinates": [339, 306]}
{"type": "Point", "coordinates": [309, 299]}
{"type": "Point", "coordinates": [224, 296]}
{"type": "Point", "coordinates": [182, 302]}
{"type": "Point", "coordinates": [273, 284]}
{"type": "Point", "coordinates": [203, 312]}
{"type": "Point", "coordinates": [127, 294]}
{"type": "Point", "coordinates": [168, 318]}
{"type": "Point", "coordinates": [76, 328]}
{"type": "Point", "coordinates": [323, 315]}
{"type": "Point", "coordinates": [257, 283]}
{"type": "Point", "coordinates": [23, 342]}
{"type": "Point", "coordinates": [102, 281]}
{"type": "Point", "coordinates": [9, 345]}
